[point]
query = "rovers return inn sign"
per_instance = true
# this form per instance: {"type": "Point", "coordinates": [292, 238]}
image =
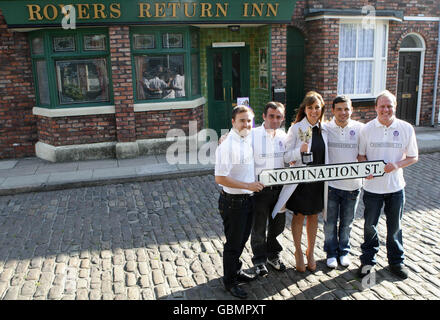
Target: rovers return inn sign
{"type": "Point", "coordinates": [44, 13]}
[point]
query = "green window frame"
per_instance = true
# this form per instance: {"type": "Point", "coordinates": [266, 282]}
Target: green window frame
{"type": "Point", "coordinates": [89, 52]}
{"type": "Point", "coordinates": [151, 42]}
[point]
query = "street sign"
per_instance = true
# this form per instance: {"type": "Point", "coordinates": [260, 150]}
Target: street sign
{"type": "Point", "coordinates": [314, 173]}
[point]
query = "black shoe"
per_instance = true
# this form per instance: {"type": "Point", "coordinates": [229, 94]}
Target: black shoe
{"type": "Point", "coordinates": [399, 270]}
{"type": "Point", "coordinates": [277, 264]}
{"type": "Point", "coordinates": [238, 292]}
{"type": "Point", "coordinates": [364, 270]}
{"type": "Point", "coordinates": [261, 270]}
{"type": "Point", "coordinates": [245, 277]}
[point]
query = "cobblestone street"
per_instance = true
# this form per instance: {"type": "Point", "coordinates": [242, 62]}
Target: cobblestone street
{"type": "Point", "coordinates": [164, 240]}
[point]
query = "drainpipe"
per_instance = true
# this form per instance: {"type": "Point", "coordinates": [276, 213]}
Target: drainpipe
{"type": "Point", "coordinates": [436, 78]}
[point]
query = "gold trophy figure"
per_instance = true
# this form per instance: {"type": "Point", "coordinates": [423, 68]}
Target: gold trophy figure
{"type": "Point", "coordinates": [306, 136]}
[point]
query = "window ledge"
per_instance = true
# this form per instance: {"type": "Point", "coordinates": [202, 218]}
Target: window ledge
{"type": "Point", "coordinates": [72, 112]}
{"type": "Point", "coordinates": [172, 105]}
{"type": "Point", "coordinates": [141, 107]}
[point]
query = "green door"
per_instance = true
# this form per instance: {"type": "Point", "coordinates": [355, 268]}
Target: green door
{"type": "Point", "coordinates": [228, 79]}
{"type": "Point", "coordinates": [295, 73]}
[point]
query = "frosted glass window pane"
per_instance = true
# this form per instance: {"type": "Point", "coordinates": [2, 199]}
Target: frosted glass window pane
{"type": "Point", "coordinates": [364, 75]}
{"type": "Point", "coordinates": [345, 77]}
{"type": "Point", "coordinates": [347, 42]}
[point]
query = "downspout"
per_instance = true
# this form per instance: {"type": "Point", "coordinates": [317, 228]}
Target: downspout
{"type": "Point", "coordinates": [436, 78]}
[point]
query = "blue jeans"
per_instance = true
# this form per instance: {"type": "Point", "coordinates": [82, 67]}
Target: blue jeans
{"type": "Point", "coordinates": [394, 203]}
{"type": "Point", "coordinates": [341, 204]}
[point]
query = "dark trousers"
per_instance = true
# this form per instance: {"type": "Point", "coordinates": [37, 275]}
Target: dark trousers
{"type": "Point", "coordinates": [236, 213]}
{"type": "Point", "coordinates": [266, 246]}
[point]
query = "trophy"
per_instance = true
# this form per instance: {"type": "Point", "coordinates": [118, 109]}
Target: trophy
{"type": "Point", "coordinates": [305, 136]}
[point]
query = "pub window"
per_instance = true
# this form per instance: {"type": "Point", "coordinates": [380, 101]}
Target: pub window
{"type": "Point", "coordinates": [81, 81]}
{"type": "Point", "coordinates": [166, 63]}
{"type": "Point", "coordinates": [71, 69]}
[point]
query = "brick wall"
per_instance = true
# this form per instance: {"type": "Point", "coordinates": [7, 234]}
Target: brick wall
{"type": "Point", "coordinates": [17, 97]}
{"type": "Point", "coordinates": [63, 131]}
{"type": "Point", "coordinates": [156, 124]}
{"type": "Point", "coordinates": [122, 77]}
{"type": "Point", "coordinates": [279, 53]}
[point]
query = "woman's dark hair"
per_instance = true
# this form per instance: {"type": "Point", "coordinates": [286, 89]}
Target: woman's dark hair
{"type": "Point", "coordinates": [310, 98]}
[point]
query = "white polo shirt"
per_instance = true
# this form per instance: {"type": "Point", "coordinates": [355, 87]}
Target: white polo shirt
{"type": "Point", "coordinates": [235, 159]}
{"type": "Point", "coordinates": [390, 144]}
{"type": "Point", "coordinates": [343, 147]}
{"type": "Point", "coordinates": [268, 150]}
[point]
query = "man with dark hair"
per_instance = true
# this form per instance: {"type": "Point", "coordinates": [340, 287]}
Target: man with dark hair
{"type": "Point", "coordinates": [234, 171]}
{"type": "Point", "coordinates": [343, 195]}
{"type": "Point", "coordinates": [268, 142]}
{"type": "Point", "coordinates": [393, 141]}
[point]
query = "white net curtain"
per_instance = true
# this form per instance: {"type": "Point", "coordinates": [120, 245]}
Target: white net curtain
{"type": "Point", "coordinates": [356, 59]}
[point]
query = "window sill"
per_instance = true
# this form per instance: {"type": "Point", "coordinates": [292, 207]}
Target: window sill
{"type": "Point", "coordinates": [171, 105]}
{"type": "Point", "coordinates": [72, 112]}
{"type": "Point", "coordinates": [141, 107]}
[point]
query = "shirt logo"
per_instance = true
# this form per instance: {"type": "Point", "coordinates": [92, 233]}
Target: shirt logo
{"type": "Point", "coordinates": [396, 133]}
{"type": "Point", "coordinates": [352, 134]}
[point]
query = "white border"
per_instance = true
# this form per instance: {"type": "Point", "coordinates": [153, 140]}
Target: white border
{"type": "Point", "coordinates": [174, 105]}
{"type": "Point", "coordinates": [412, 18]}
{"type": "Point", "coordinates": [228, 44]}
{"type": "Point", "coordinates": [140, 107]}
{"type": "Point", "coordinates": [72, 112]}
{"type": "Point", "coordinates": [361, 17]}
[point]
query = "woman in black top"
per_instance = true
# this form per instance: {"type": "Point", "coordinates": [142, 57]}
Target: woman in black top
{"type": "Point", "coordinates": [308, 198]}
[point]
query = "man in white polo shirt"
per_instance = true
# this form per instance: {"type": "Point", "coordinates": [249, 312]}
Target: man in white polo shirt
{"type": "Point", "coordinates": [394, 141]}
{"type": "Point", "coordinates": [234, 171]}
{"type": "Point", "coordinates": [268, 142]}
{"type": "Point", "coordinates": [343, 195]}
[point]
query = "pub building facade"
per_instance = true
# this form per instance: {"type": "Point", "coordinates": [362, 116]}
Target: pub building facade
{"type": "Point", "coordinates": [102, 79]}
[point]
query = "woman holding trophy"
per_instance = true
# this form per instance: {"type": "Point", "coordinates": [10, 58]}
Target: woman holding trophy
{"type": "Point", "coordinates": [306, 144]}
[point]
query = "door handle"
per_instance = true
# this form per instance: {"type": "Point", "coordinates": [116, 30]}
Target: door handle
{"type": "Point", "coordinates": [232, 93]}
{"type": "Point", "coordinates": [224, 93]}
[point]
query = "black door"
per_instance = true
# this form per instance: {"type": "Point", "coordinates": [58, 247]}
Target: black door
{"type": "Point", "coordinates": [408, 86]}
